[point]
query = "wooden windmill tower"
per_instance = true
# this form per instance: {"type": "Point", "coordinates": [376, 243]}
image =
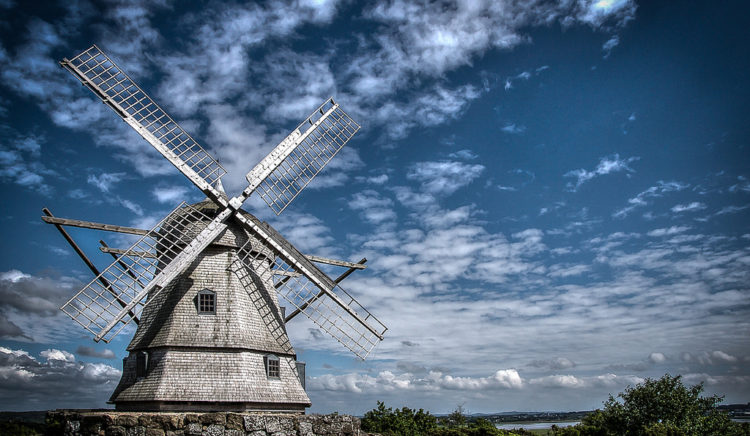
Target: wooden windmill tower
{"type": "Point", "coordinates": [203, 284]}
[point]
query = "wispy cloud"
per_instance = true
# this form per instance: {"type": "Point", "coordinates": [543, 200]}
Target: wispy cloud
{"type": "Point", "coordinates": [373, 207]}
{"type": "Point", "coordinates": [20, 163]}
{"type": "Point", "coordinates": [463, 154]}
{"type": "Point", "coordinates": [105, 181]}
{"type": "Point", "coordinates": [610, 44]}
{"type": "Point", "coordinates": [669, 231]}
{"type": "Point", "coordinates": [607, 165]}
{"type": "Point", "coordinates": [553, 364]}
{"type": "Point", "coordinates": [444, 178]}
{"type": "Point", "coordinates": [170, 194]}
{"type": "Point", "coordinates": [512, 128]}
{"type": "Point", "coordinates": [643, 198]}
{"type": "Point", "coordinates": [689, 207]}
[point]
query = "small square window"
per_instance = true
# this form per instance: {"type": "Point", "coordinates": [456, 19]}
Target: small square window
{"type": "Point", "coordinates": [273, 368]}
{"type": "Point", "coordinates": [206, 302]}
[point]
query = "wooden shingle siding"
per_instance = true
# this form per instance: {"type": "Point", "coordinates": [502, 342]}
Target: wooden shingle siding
{"type": "Point", "coordinates": [217, 359]}
{"type": "Point", "coordinates": [215, 376]}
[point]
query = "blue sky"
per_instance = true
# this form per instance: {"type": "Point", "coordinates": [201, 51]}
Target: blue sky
{"type": "Point", "coordinates": [553, 197]}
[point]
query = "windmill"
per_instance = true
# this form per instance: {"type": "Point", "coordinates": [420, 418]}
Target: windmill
{"type": "Point", "coordinates": [203, 284]}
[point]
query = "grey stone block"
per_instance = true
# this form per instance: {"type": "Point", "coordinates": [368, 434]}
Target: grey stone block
{"type": "Point", "coordinates": [214, 430]}
{"type": "Point", "coordinates": [116, 430]}
{"type": "Point", "coordinates": [193, 429]}
{"type": "Point", "coordinates": [254, 423]}
{"type": "Point", "coordinates": [305, 429]}
{"type": "Point", "coordinates": [272, 424]}
{"type": "Point", "coordinates": [137, 431]}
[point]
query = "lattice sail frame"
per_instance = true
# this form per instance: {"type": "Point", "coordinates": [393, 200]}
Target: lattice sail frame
{"type": "Point", "coordinates": [105, 79]}
{"type": "Point", "coordinates": [332, 309]}
{"type": "Point", "coordinates": [103, 299]}
{"type": "Point", "coordinates": [302, 155]}
{"type": "Point", "coordinates": [259, 295]}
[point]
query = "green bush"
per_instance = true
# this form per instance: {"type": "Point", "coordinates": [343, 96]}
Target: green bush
{"type": "Point", "coordinates": [663, 407]}
{"type": "Point", "coordinates": [407, 422]}
{"type": "Point", "coordinates": [399, 422]}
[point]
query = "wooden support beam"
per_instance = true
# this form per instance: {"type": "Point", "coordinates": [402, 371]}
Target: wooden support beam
{"type": "Point", "coordinates": [336, 262]}
{"type": "Point", "coordinates": [351, 265]}
{"type": "Point", "coordinates": [86, 260]}
{"type": "Point", "coordinates": [321, 293]}
{"type": "Point", "coordinates": [119, 252]}
{"type": "Point", "coordinates": [92, 225]}
{"type": "Point", "coordinates": [122, 264]}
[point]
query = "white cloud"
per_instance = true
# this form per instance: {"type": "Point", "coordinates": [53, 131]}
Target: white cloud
{"type": "Point", "coordinates": [376, 180]}
{"type": "Point", "coordinates": [657, 358]}
{"type": "Point", "coordinates": [723, 357]}
{"type": "Point", "coordinates": [574, 382]}
{"type": "Point", "coordinates": [554, 364]}
{"type": "Point", "coordinates": [642, 199]}
{"type": "Point", "coordinates": [668, 231]}
{"type": "Point", "coordinates": [373, 207]}
{"type": "Point", "coordinates": [463, 154]}
{"type": "Point", "coordinates": [444, 178]}
{"type": "Point", "coordinates": [597, 12]}
{"type": "Point", "coordinates": [607, 165]}
{"type": "Point", "coordinates": [61, 381]}
{"type": "Point", "coordinates": [386, 381]}
{"type": "Point", "coordinates": [248, 97]}
{"type": "Point", "coordinates": [610, 44]}
{"type": "Point", "coordinates": [512, 128]}
{"type": "Point", "coordinates": [60, 355]}
{"type": "Point", "coordinates": [105, 181]}
{"type": "Point", "coordinates": [20, 163]}
{"type": "Point", "coordinates": [131, 206]}
{"type": "Point", "coordinates": [690, 207]}
{"type": "Point", "coordinates": [170, 194]}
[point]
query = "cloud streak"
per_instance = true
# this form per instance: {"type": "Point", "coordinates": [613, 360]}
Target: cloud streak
{"type": "Point", "coordinates": [607, 165]}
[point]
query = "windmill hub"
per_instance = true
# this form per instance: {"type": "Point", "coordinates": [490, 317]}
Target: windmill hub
{"type": "Point", "coordinates": [203, 285]}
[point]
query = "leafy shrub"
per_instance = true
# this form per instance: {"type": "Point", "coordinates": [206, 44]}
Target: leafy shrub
{"type": "Point", "coordinates": [407, 422]}
{"type": "Point", "coordinates": [663, 407]}
{"type": "Point", "coordinates": [399, 422]}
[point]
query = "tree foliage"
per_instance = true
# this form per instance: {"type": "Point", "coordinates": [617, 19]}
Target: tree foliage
{"type": "Point", "coordinates": [663, 407]}
{"type": "Point", "coordinates": [407, 422]}
{"type": "Point", "coordinates": [399, 422]}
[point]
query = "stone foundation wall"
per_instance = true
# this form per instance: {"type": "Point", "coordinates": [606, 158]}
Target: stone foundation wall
{"type": "Point", "coordinates": [111, 423]}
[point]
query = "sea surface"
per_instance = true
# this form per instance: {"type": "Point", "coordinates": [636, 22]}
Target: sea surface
{"type": "Point", "coordinates": [535, 425]}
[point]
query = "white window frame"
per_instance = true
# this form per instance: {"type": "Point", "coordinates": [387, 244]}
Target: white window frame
{"type": "Point", "coordinates": [273, 366]}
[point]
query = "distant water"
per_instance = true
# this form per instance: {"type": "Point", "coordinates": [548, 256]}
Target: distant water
{"type": "Point", "coordinates": [536, 425]}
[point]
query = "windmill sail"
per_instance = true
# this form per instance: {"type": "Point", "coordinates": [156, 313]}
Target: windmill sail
{"type": "Point", "coordinates": [105, 79]}
{"type": "Point", "coordinates": [100, 309]}
{"type": "Point", "coordinates": [285, 172]}
{"type": "Point", "coordinates": [312, 292]}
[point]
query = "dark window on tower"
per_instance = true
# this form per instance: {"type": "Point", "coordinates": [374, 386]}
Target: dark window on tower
{"type": "Point", "coordinates": [207, 302]}
{"type": "Point", "coordinates": [141, 364]}
{"type": "Point", "coordinates": [272, 366]}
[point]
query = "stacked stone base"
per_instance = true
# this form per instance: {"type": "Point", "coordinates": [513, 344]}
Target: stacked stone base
{"type": "Point", "coordinates": [112, 423]}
